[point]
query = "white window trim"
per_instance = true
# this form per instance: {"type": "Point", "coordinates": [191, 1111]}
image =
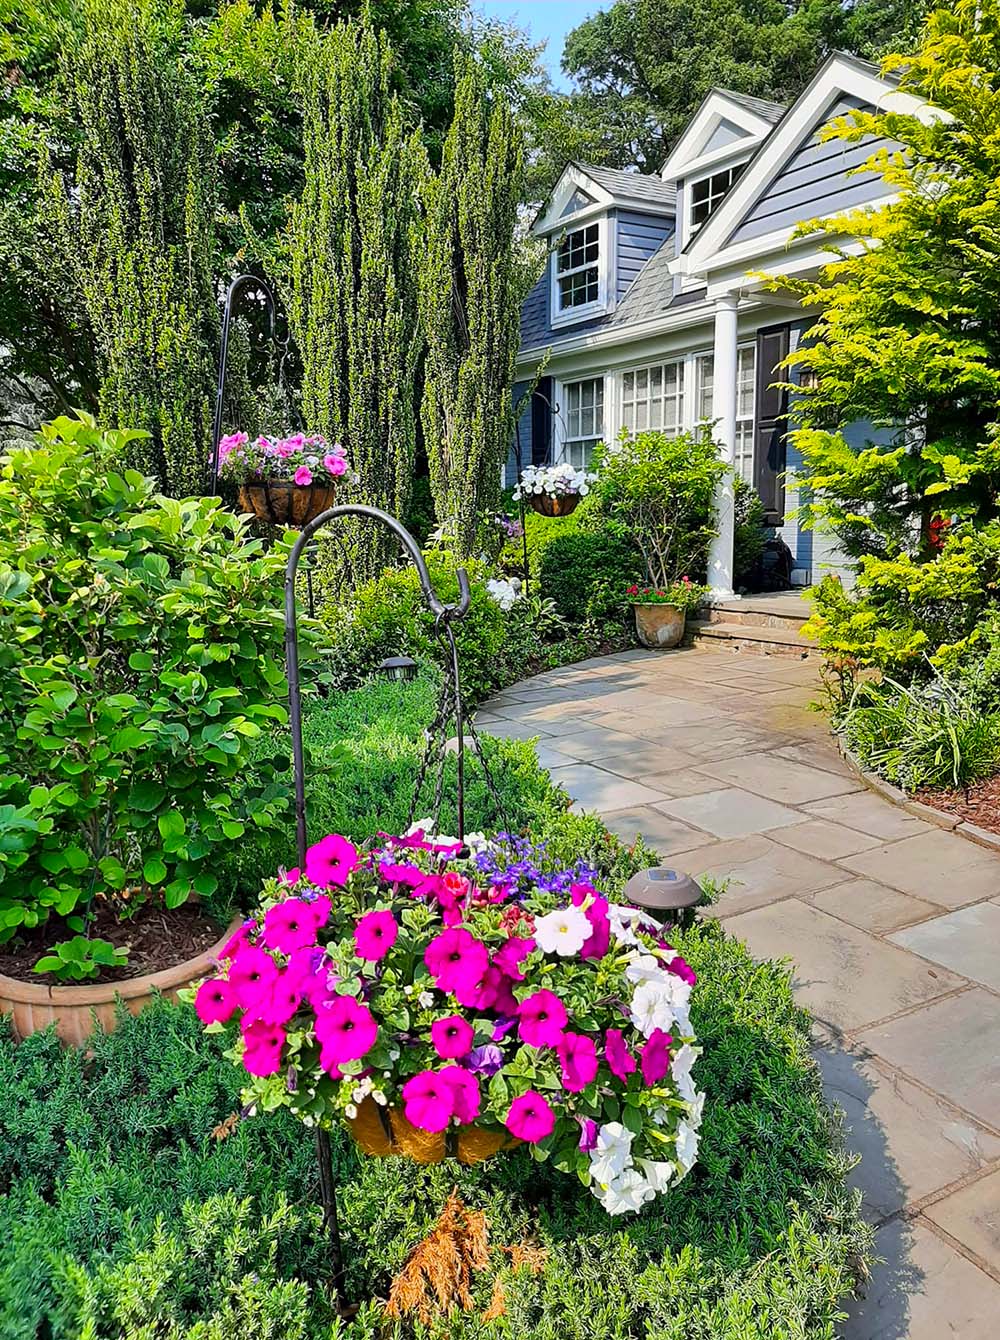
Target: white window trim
{"type": "Point", "coordinates": [613, 393]}
{"type": "Point", "coordinates": [691, 182]}
{"type": "Point", "coordinates": [560, 421]}
{"type": "Point", "coordinates": [606, 268]}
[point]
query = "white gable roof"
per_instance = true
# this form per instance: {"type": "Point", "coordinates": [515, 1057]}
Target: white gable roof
{"type": "Point", "coordinates": [583, 192]}
{"type": "Point", "coordinates": [725, 125]}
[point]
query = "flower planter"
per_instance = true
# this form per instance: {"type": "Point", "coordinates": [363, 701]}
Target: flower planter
{"type": "Point", "coordinates": [659, 626]}
{"type": "Point", "coordinates": [547, 505]}
{"type": "Point", "coordinates": [33, 1006]}
{"type": "Point", "coordinates": [384, 1131]}
{"type": "Point", "coordinates": [282, 503]}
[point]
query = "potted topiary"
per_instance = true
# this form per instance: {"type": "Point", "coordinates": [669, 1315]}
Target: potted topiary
{"type": "Point", "coordinates": [661, 612]}
{"type": "Point", "coordinates": [552, 490]}
{"type": "Point", "coordinates": [286, 481]}
{"type": "Point", "coordinates": [140, 667]}
{"type": "Point", "coordinates": [447, 999]}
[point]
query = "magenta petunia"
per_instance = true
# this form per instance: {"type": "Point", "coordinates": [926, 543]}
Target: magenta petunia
{"type": "Point", "coordinates": [282, 1001]}
{"type": "Point", "coordinates": [578, 1059]}
{"type": "Point", "coordinates": [290, 925]}
{"type": "Point", "coordinates": [452, 1037]}
{"type": "Point", "coordinates": [494, 992]}
{"type": "Point", "coordinates": [335, 465]}
{"type": "Point", "coordinates": [237, 938]}
{"type": "Point", "coordinates": [465, 1093]}
{"type": "Point", "coordinates": [402, 872]}
{"type": "Point", "coordinates": [252, 974]}
{"type": "Point", "coordinates": [682, 969]}
{"type": "Point", "coordinates": [303, 476]}
{"type": "Point", "coordinates": [345, 1029]}
{"type": "Point", "coordinates": [530, 1118]}
{"type": "Point", "coordinates": [597, 914]}
{"type": "Point", "coordinates": [455, 958]}
{"type": "Point", "coordinates": [542, 1018]}
{"type": "Point", "coordinates": [330, 861]}
{"type": "Point", "coordinates": [428, 1101]}
{"type": "Point", "coordinates": [262, 1049]}
{"type": "Point", "coordinates": [320, 907]}
{"type": "Point", "coordinates": [509, 957]}
{"type": "Point", "coordinates": [374, 935]}
{"type": "Point", "coordinates": [215, 1001]}
{"type": "Point", "coordinates": [655, 1056]}
{"type": "Point", "coordinates": [620, 1060]}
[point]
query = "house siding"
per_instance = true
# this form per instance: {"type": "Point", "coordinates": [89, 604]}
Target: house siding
{"type": "Point", "coordinates": [639, 238]}
{"type": "Point", "coordinates": [814, 182]}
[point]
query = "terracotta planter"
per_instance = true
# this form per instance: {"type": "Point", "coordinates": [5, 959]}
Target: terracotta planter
{"type": "Point", "coordinates": [659, 626]}
{"type": "Point", "coordinates": [383, 1131]}
{"type": "Point", "coordinates": [77, 1010]}
{"type": "Point", "coordinates": [282, 503]}
{"type": "Point", "coordinates": [546, 505]}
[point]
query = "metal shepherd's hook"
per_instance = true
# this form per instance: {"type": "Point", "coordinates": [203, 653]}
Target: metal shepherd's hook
{"type": "Point", "coordinates": [240, 285]}
{"type": "Point", "coordinates": [445, 615]}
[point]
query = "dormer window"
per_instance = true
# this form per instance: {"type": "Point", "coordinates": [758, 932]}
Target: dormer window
{"type": "Point", "coordinates": [708, 193]}
{"type": "Point", "coordinates": [578, 271]}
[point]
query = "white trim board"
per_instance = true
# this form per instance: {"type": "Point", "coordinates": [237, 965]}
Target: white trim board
{"type": "Point", "coordinates": [688, 154]}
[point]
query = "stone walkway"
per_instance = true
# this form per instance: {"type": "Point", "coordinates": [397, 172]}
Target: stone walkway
{"type": "Point", "coordinates": [893, 926]}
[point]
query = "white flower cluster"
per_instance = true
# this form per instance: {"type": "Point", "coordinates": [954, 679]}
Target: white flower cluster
{"type": "Point", "coordinates": [505, 592]}
{"type": "Point", "coordinates": [556, 480]}
{"type": "Point", "coordinates": [622, 1180]}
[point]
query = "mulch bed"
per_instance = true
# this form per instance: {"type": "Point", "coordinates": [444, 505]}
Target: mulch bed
{"type": "Point", "coordinates": [156, 938]}
{"type": "Point", "coordinates": [977, 804]}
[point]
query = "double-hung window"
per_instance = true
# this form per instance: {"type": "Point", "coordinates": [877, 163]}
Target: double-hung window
{"type": "Point", "coordinates": [745, 365]}
{"type": "Point", "coordinates": [584, 420]}
{"type": "Point", "coordinates": [709, 192]}
{"type": "Point", "coordinates": [578, 268]}
{"type": "Point", "coordinates": [653, 397]}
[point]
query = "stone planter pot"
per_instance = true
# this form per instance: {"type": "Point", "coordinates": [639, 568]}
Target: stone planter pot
{"type": "Point", "coordinates": [282, 503]}
{"type": "Point", "coordinates": [545, 505]}
{"type": "Point", "coordinates": [382, 1131]}
{"type": "Point", "coordinates": [659, 626]}
{"type": "Point", "coordinates": [73, 1009]}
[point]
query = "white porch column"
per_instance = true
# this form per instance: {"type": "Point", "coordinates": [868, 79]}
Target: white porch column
{"type": "Point", "coordinates": [720, 559]}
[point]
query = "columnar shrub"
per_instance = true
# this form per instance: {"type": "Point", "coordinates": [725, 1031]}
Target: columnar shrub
{"type": "Point", "coordinates": [141, 646]}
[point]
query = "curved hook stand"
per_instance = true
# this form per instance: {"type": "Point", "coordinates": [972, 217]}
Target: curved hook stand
{"type": "Point", "coordinates": [240, 285]}
{"type": "Point", "coordinates": [445, 615]}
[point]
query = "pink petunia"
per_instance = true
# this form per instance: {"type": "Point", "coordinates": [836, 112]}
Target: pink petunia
{"type": "Point", "coordinates": [335, 465]}
{"type": "Point", "coordinates": [578, 1059]}
{"type": "Point", "coordinates": [542, 1018]}
{"type": "Point", "coordinates": [215, 1001]}
{"type": "Point", "coordinates": [597, 914]}
{"type": "Point", "coordinates": [262, 1050]}
{"type": "Point", "coordinates": [252, 974]}
{"type": "Point", "coordinates": [455, 958]}
{"type": "Point", "coordinates": [452, 1037]}
{"type": "Point", "coordinates": [428, 1101]}
{"type": "Point", "coordinates": [655, 1056]}
{"type": "Point", "coordinates": [290, 925]}
{"type": "Point", "coordinates": [303, 476]}
{"type": "Point", "coordinates": [620, 1060]}
{"type": "Point", "coordinates": [374, 935]}
{"type": "Point", "coordinates": [509, 957]}
{"type": "Point", "coordinates": [237, 938]}
{"type": "Point", "coordinates": [530, 1118]}
{"type": "Point", "coordinates": [282, 1001]}
{"type": "Point", "coordinates": [295, 442]}
{"type": "Point", "coordinates": [682, 969]}
{"type": "Point", "coordinates": [331, 861]}
{"type": "Point", "coordinates": [466, 1097]}
{"type": "Point", "coordinates": [402, 873]}
{"type": "Point", "coordinates": [346, 1030]}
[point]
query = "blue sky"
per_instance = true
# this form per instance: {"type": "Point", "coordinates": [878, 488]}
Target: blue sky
{"type": "Point", "coordinates": [545, 21]}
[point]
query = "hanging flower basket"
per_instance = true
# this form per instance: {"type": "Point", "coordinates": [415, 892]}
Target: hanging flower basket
{"type": "Point", "coordinates": [281, 503]}
{"type": "Point", "coordinates": [445, 999]}
{"type": "Point", "coordinates": [285, 481]}
{"type": "Point", "coordinates": [547, 505]}
{"type": "Point", "coordinates": [552, 490]}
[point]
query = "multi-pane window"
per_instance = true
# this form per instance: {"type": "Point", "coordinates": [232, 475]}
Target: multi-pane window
{"type": "Point", "coordinates": [653, 397]}
{"type": "Point", "coordinates": [708, 193]}
{"type": "Point", "coordinates": [584, 420]}
{"type": "Point", "coordinates": [745, 365]}
{"type": "Point", "coordinates": [578, 267]}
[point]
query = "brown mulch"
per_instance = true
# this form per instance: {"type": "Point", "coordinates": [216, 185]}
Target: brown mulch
{"type": "Point", "coordinates": [977, 804]}
{"type": "Point", "coordinates": [156, 938]}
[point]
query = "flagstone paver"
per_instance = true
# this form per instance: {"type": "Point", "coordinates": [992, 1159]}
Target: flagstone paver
{"type": "Point", "coordinates": [892, 925]}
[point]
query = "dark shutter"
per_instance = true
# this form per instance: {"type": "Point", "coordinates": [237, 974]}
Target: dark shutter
{"type": "Point", "coordinates": [541, 422]}
{"type": "Point", "coordinates": [770, 422]}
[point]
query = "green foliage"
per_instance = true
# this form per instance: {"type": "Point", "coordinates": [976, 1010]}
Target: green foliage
{"type": "Point", "coordinates": [80, 957]}
{"type": "Point", "coordinates": [350, 273]}
{"type": "Point", "coordinates": [141, 654]}
{"type": "Point", "coordinates": [134, 227]}
{"type": "Point", "coordinates": [907, 335]}
{"type": "Point", "coordinates": [659, 491]}
{"type": "Point", "coordinates": [471, 288]}
{"type": "Point", "coordinates": [121, 1216]}
{"type": "Point", "coordinates": [586, 572]}
{"type": "Point", "coordinates": [750, 531]}
{"type": "Point", "coordinates": [540, 531]}
{"type": "Point", "coordinates": [930, 734]}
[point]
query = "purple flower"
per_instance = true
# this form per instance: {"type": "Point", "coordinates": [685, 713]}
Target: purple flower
{"type": "Point", "coordinates": [486, 1060]}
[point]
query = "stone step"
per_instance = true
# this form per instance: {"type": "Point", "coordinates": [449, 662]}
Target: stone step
{"type": "Point", "coordinates": [777, 612]}
{"type": "Point", "coordinates": [755, 640]}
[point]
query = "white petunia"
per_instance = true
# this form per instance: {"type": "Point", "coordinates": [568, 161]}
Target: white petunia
{"type": "Point", "coordinates": [652, 1008]}
{"type": "Point", "coordinates": [564, 931]}
{"type": "Point", "coordinates": [687, 1146]}
{"type": "Point", "coordinates": [627, 1194]}
{"type": "Point", "coordinates": [425, 1000]}
{"type": "Point", "coordinates": [682, 1016]}
{"type": "Point", "coordinates": [696, 1108]}
{"type": "Point", "coordinates": [612, 1154]}
{"type": "Point", "coordinates": [643, 968]}
{"type": "Point", "coordinates": [658, 1175]}
{"type": "Point", "coordinates": [624, 921]}
{"type": "Point", "coordinates": [477, 842]}
{"type": "Point", "coordinates": [680, 1070]}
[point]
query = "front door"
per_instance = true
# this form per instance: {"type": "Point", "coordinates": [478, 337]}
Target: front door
{"type": "Point", "coordinates": [771, 422]}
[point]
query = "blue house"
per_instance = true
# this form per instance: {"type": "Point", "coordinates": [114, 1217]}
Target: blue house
{"type": "Point", "coordinates": [652, 312]}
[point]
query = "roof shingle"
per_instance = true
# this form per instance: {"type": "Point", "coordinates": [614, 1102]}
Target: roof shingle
{"type": "Point", "coordinates": [635, 186]}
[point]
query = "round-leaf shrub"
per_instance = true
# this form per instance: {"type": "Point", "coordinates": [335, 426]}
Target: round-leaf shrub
{"type": "Point", "coordinates": [586, 573]}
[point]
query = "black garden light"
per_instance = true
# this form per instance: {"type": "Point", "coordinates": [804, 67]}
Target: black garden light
{"type": "Point", "coordinates": [670, 895]}
{"type": "Point", "coordinates": [398, 667]}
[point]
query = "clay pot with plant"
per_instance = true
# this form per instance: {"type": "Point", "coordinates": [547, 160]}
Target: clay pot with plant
{"type": "Point", "coordinates": [141, 665]}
